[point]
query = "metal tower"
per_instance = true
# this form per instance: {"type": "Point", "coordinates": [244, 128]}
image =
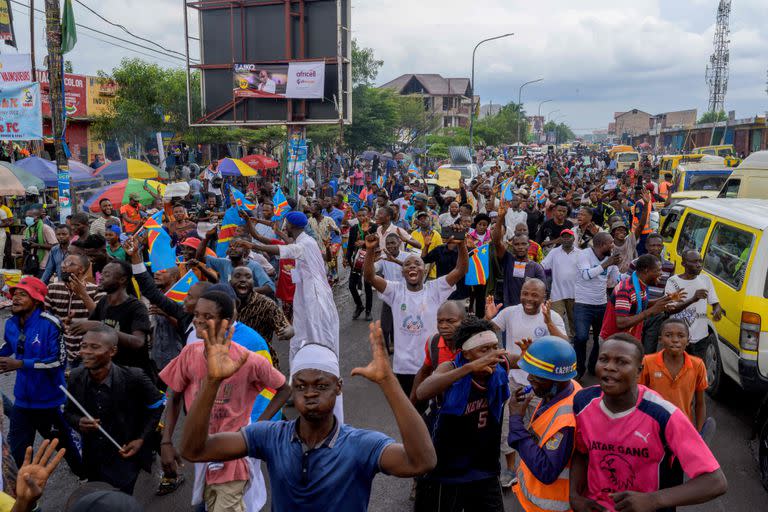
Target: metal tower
{"type": "Point", "coordinates": [717, 69]}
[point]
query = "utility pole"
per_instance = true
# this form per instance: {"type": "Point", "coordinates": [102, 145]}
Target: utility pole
{"type": "Point", "coordinates": [55, 89]}
{"type": "Point", "coordinates": [37, 146]}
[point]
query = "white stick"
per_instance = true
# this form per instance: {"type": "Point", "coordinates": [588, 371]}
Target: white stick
{"type": "Point", "coordinates": [82, 409]}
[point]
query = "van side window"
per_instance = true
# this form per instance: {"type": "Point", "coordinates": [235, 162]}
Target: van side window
{"type": "Point", "coordinates": [730, 189]}
{"type": "Point", "coordinates": [693, 233]}
{"type": "Point", "coordinates": [670, 225]}
{"type": "Point", "coordinates": [727, 254]}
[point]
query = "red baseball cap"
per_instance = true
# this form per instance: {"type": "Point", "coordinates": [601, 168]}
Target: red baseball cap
{"type": "Point", "coordinates": [34, 287]}
{"type": "Point", "coordinates": [567, 232]}
{"type": "Point", "coordinates": [191, 242]}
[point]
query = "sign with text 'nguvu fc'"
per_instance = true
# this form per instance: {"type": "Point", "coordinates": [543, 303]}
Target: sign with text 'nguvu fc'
{"type": "Point", "coordinates": [21, 115]}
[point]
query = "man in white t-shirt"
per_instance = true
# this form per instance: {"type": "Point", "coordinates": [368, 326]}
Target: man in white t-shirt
{"type": "Point", "coordinates": [529, 320]}
{"type": "Point", "coordinates": [414, 306]}
{"type": "Point", "coordinates": [698, 292]}
{"type": "Point", "coordinates": [561, 261]}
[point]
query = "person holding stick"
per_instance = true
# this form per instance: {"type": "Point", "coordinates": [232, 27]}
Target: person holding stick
{"type": "Point", "coordinates": [111, 403]}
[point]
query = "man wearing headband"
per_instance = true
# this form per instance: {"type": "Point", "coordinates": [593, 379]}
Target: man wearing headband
{"type": "Point", "coordinates": [315, 317]}
{"type": "Point", "coordinates": [315, 463]}
{"type": "Point", "coordinates": [466, 429]}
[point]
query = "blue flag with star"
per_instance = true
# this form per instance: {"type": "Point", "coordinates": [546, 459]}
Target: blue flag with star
{"type": "Point", "coordinates": [479, 266]}
{"type": "Point", "coordinates": [180, 290]}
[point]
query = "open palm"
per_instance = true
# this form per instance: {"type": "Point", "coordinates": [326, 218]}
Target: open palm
{"type": "Point", "coordinates": [35, 471]}
{"type": "Point", "coordinates": [218, 340]}
{"type": "Point", "coordinates": [378, 369]}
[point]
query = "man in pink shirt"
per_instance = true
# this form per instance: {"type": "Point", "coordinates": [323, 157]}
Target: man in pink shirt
{"type": "Point", "coordinates": [627, 438]}
{"type": "Point", "coordinates": [225, 483]}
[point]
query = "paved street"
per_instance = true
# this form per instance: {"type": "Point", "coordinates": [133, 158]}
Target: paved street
{"type": "Point", "coordinates": [365, 407]}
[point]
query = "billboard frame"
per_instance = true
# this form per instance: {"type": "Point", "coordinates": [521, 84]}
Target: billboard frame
{"type": "Point", "coordinates": [342, 59]}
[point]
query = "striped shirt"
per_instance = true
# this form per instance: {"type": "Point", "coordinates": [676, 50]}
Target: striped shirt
{"type": "Point", "coordinates": [63, 303]}
{"type": "Point", "coordinates": [624, 302]}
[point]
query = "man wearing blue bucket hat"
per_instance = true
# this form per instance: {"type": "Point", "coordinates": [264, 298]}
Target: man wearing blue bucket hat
{"type": "Point", "coordinates": [543, 482]}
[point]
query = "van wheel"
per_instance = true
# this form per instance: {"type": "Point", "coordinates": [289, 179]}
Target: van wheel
{"type": "Point", "coordinates": [762, 453]}
{"type": "Point", "coordinates": [715, 376]}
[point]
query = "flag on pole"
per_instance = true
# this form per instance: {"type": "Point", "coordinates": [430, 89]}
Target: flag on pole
{"type": "Point", "coordinates": [280, 204]}
{"type": "Point", "coordinates": [240, 200]}
{"type": "Point", "coordinates": [479, 266]}
{"type": "Point", "coordinates": [507, 190]}
{"type": "Point", "coordinates": [68, 28]}
{"type": "Point", "coordinates": [229, 225]}
{"type": "Point", "coordinates": [380, 181]}
{"type": "Point", "coordinates": [161, 255]}
{"type": "Point", "coordinates": [414, 171]}
{"type": "Point", "coordinates": [180, 290]}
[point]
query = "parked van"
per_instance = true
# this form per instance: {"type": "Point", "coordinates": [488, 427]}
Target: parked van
{"type": "Point", "coordinates": [619, 149]}
{"type": "Point", "coordinates": [724, 150]}
{"type": "Point", "coordinates": [732, 237]}
{"type": "Point", "coordinates": [749, 179]}
{"type": "Point", "coordinates": [625, 159]}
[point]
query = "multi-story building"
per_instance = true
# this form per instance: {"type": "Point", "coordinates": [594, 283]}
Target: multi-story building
{"type": "Point", "coordinates": [631, 123]}
{"type": "Point", "coordinates": [448, 98]}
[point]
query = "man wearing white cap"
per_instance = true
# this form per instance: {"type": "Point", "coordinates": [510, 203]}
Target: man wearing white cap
{"type": "Point", "coordinates": [315, 463]}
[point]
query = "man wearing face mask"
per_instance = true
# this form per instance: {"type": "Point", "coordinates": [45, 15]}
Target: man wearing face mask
{"type": "Point", "coordinates": [546, 456]}
{"type": "Point", "coordinates": [37, 242]}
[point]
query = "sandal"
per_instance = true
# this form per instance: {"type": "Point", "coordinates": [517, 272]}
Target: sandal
{"type": "Point", "coordinates": [169, 484]}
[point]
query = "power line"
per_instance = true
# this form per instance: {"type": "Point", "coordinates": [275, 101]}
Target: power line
{"type": "Point", "coordinates": [128, 31]}
{"type": "Point", "coordinates": [39, 18]}
{"type": "Point", "coordinates": [113, 37]}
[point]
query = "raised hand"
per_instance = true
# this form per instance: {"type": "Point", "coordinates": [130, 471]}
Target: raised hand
{"type": "Point", "coordinates": [131, 246]}
{"type": "Point", "coordinates": [34, 473]}
{"type": "Point", "coordinates": [491, 308]}
{"type": "Point", "coordinates": [378, 369]}
{"type": "Point", "coordinates": [217, 342]}
{"type": "Point", "coordinates": [371, 242]}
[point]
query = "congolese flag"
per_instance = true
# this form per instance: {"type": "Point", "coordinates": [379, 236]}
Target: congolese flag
{"type": "Point", "coordinates": [229, 225]}
{"type": "Point", "coordinates": [179, 291]}
{"type": "Point", "coordinates": [414, 171]}
{"type": "Point", "coordinates": [161, 255]}
{"type": "Point", "coordinates": [507, 190]}
{"type": "Point", "coordinates": [479, 266]}
{"type": "Point", "coordinates": [241, 201]}
{"type": "Point", "coordinates": [354, 201]}
{"type": "Point", "coordinates": [280, 204]}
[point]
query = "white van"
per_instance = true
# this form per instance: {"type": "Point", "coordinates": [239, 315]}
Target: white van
{"type": "Point", "coordinates": [749, 179]}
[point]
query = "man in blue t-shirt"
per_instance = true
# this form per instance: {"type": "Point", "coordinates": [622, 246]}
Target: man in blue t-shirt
{"type": "Point", "coordinates": [315, 463]}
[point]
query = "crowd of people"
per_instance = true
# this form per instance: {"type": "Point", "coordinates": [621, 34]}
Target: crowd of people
{"type": "Point", "coordinates": [502, 298]}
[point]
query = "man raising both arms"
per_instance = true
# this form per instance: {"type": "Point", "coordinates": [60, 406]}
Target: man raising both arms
{"type": "Point", "coordinates": [315, 463]}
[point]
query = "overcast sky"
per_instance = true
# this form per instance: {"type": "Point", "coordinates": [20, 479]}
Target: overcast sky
{"type": "Point", "coordinates": [596, 56]}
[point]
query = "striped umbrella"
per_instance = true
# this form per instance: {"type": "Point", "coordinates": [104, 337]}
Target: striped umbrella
{"type": "Point", "coordinates": [129, 168]}
{"type": "Point", "coordinates": [235, 167]}
{"type": "Point", "coordinates": [25, 178]}
{"type": "Point", "coordinates": [118, 193]}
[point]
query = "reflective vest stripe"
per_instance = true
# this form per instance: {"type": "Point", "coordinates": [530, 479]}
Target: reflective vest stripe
{"type": "Point", "coordinates": [541, 503]}
{"type": "Point", "coordinates": [563, 409]}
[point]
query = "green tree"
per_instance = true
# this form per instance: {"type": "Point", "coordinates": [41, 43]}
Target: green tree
{"type": "Point", "coordinates": [563, 132]}
{"type": "Point", "coordinates": [365, 65]}
{"type": "Point", "coordinates": [438, 151]}
{"type": "Point", "coordinates": [376, 119]}
{"type": "Point", "coordinates": [502, 127]}
{"type": "Point", "coordinates": [414, 122]}
{"type": "Point", "coordinates": [713, 117]}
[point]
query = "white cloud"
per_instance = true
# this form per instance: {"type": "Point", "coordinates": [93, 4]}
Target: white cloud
{"type": "Point", "coordinates": [596, 56]}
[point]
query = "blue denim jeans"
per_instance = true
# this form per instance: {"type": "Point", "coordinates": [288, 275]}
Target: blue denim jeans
{"type": "Point", "coordinates": [584, 317]}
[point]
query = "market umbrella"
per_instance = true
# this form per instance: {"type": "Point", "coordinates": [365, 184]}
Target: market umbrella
{"type": "Point", "coordinates": [10, 184]}
{"type": "Point", "coordinates": [46, 171]}
{"type": "Point", "coordinates": [118, 193]}
{"type": "Point", "coordinates": [27, 179]}
{"type": "Point", "coordinates": [369, 155]}
{"type": "Point", "coordinates": [235, 167]}
{"type": "Point", "coordinates": [260, 162]}
{"type": "Point", "coordinates": [129, 168]}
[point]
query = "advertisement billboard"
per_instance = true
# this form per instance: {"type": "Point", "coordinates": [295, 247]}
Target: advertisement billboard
{"type": "Point", "coordinates": [74, 94]}
{"type": "Point", "coordinates": [292, 62]}
{"type": "Point", "coordinates": [100, 96]}
{"type": "Point", "coordinates": [20, 113]}
{"type": "Point", "coordinates": [15, 69]}
{"type": "Point", "coordinates": [6, 23]}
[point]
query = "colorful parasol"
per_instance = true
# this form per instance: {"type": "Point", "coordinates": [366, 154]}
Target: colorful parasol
{"type": "Point", "coordinates": [129, 168]}
{"type": "Point", "coordinates": [46, 171]}
{"type": "Point", "coordinates": [27, 179]}
{"type": "Point", "coordinates": [11, 185]}
{"type": "Point", "coordinates": [235, 167]}
{"type": "Point", "coordinates": [118, 193]}
{"type": "Point", "coordinates": [260, 162]}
